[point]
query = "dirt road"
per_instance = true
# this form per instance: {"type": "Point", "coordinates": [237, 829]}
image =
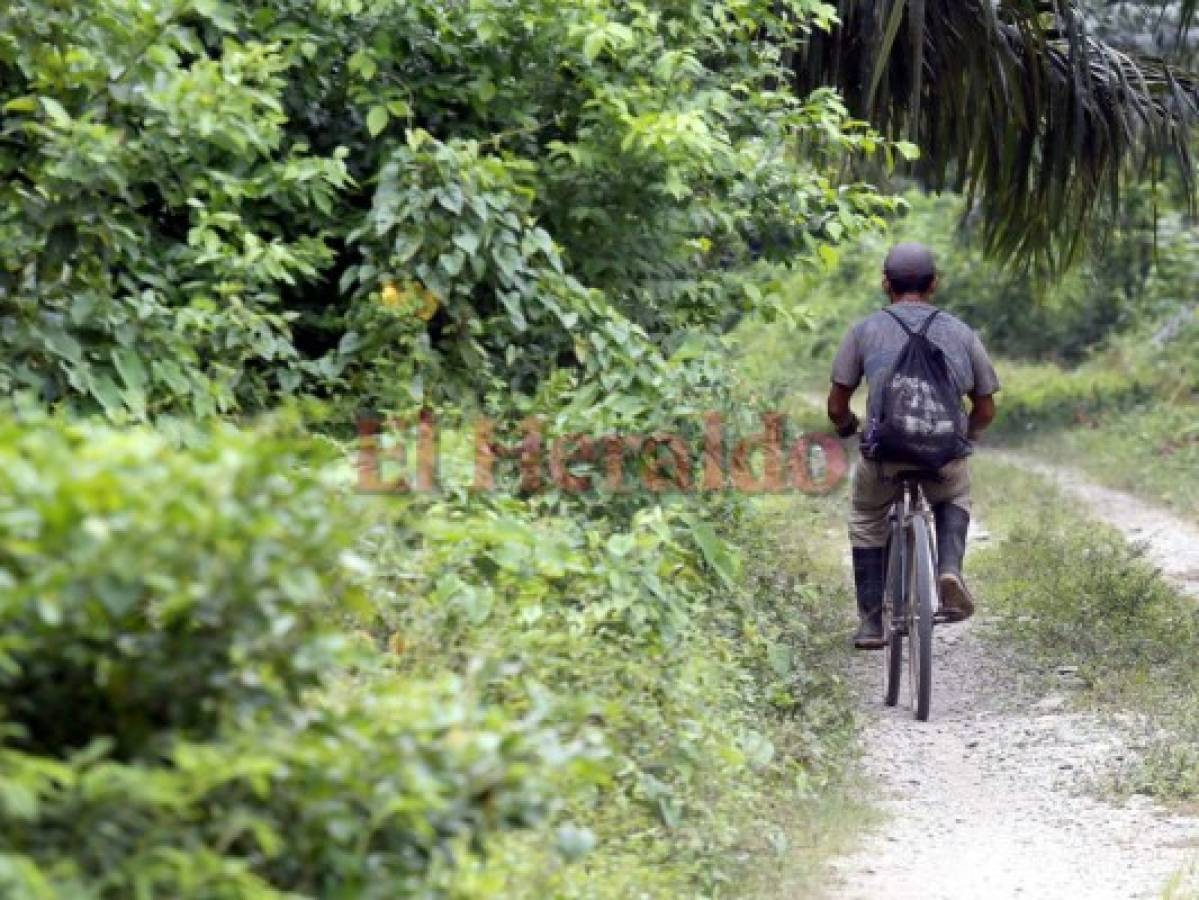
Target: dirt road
{"type": "Point", "coordinates": [988, 800]}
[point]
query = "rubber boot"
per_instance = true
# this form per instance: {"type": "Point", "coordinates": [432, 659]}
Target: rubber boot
{"type": "Point", "coordinates": [869, 566]}
{"type": "Point", "coordinates": [952, 524]}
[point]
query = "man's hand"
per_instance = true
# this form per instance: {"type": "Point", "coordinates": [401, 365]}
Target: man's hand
{"type": "Point", "coordinates": [839, 412]}
{"type": "Point", "coordinates": [850, 428]}
{"type": "Point", "coordinates": [982, 414]}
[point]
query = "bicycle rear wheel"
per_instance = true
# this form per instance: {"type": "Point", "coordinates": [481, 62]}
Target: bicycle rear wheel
{"type": "Point", "coordinates": [921, 602]}
{"type": "Point", "coordinates": [892, 636]}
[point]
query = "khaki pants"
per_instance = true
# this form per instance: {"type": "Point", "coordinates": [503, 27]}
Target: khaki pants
{"type": "Point", "coordinates": [874, 489]}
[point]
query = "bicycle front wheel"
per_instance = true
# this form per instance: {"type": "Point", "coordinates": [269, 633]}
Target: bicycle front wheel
{"type": "Point", "coordinates": [892, 636]}
{"type": "Point", "coordinates": [921, 603]}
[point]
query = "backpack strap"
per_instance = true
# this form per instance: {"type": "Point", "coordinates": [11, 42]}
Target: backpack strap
{"type": "Point", "coordinates": [901, 322]}
{"type": "Point", "coordinates": [923, 325]}
{"type": "Point", "coordinates": [928, 321]}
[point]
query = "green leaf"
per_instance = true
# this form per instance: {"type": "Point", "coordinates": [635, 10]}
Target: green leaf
{"type": "Point", "coordinates": [21, 105]}
{"type": "Point", "coordinates": [106, 392]}
{"type": "Point", "coordinates": [452, 263]}
{"type": "Point", "coordinates": [574, 842]}
{"type": "Point", "coordinates": [781, 659]}
{"type": "Point", "coordinates": [64, 345]}
{"type": "Point", "coordinates": [511, 301]}
{"type": "Point", "coordinates": [376, 120]}
{"type": "Point", "coordinates": [216, 12]}
{"type": "Point", "coordinates": [758, 749]}
{"type": "Point", "coordinates": [594, 44]}
{"type": "Point", "coordinates": [670, 811]}
{"type": "Point", "coordinates": [56, 111]}
{"type": "Point", "coordinates": [715, 551]}
{"type": "Point", "coordinates": [131, 368]}
{"type": "Point", "coordinates": [467, 241]}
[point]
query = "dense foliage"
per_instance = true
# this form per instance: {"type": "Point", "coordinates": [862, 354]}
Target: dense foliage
{"type": "Point", "coordinates": [147, 591]}
{"type": "Point", "coordinates": [311, 695]}
{"type": "Point", "coordinates": [209, 205]}
{"type": "Point", "coordinates": [505, 207]}
{"type": "Point", "coordinates": [178, 718]}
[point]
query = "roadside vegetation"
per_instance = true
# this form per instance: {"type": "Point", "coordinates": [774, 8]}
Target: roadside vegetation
{"type": "Point", "coordinates": [1071, 595]}
{"type": "Point", "coordinates": [230, 230]}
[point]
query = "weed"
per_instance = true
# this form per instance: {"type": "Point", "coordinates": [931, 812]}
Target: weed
{"type": "Point", "coordinates": [1068, 591]}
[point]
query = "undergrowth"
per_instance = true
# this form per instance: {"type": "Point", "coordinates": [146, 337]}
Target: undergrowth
{"type": "Point", "coordinates": [1129, 416]}
{"type": "Point", "coordinates": [316, 694]}
{"type": "Point", "coordinates": [1067, 591]}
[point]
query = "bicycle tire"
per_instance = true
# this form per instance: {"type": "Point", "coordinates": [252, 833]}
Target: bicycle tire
{"type": "Point", "coordinates": [921, 604]}
{"type": "Point", "coordinates": [892, 636]}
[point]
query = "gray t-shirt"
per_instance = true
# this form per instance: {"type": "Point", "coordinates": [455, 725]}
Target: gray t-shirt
{"type": "Point", "coordinates": [871, 346]}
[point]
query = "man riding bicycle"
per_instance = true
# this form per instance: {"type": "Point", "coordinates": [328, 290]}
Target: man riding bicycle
{"type": "Point", "coordinates": [947, 354]}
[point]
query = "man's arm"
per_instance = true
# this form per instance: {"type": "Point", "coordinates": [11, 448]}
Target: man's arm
{"type": "Point", "coordinates": [982, 398]}
{"type": "Point", "coordinates": [982, 414]}
{"type": "Point", "coordinates": [839, 412]}
{"type": "Point", "coordinates": [848, 368]}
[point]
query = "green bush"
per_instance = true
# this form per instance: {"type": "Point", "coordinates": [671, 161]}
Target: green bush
{"type": "Point", "coordinates": [186, 710]}
{"type": "Point", "coordinates": [705, 677]}
{"type": "Point", "coordinates": [224, 678]}
{"type": "Point", "coordinates": [1047, 396]}
{"type": "Point", "coordinates": [1169, 767]}
{"type": "Point", "coordinates": [370, 792]}
{"type": "Point", "coordinates": [149, 591]}
{"type": "Point", "coordinates": [209, 205]}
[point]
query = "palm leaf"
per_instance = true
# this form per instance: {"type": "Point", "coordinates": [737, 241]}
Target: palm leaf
{"type": "Point", "coordinates": [1015, 102]}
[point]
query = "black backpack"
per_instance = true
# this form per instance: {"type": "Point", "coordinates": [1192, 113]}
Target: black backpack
{"type": "Point", "coordinates": [919, 418]}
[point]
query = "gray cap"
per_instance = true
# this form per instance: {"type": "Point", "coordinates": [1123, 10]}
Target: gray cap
{"type": "Point", "coordinates": [909, 262]}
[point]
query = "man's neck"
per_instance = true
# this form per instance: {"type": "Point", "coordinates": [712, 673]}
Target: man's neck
{"type": "Point", "coordinates": [912, 298]}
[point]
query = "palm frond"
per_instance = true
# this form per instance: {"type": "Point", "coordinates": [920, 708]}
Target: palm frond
{"type": "Point", "coordinates": [1015, 102]}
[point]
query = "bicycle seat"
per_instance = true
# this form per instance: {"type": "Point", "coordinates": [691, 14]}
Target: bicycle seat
{"type": "Point", "coordinates": [917, 475]}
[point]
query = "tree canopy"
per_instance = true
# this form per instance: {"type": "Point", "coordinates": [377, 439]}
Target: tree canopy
{"type": "Point", "coordinates": [1018, 103]}
{"type": "Point", "coordinates": [208, 205]}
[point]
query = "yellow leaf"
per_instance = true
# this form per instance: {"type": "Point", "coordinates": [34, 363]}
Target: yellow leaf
{"type": "Point", "coordinates": [391, 296]}
{"type": "Point", "coordinates": [428, 306]}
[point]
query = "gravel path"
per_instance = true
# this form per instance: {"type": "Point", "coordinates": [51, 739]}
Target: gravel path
{"type": "Point", "coordinates": [987, 800]}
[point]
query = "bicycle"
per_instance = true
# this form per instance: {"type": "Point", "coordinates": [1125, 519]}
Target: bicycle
{"type": "Point", "coordinates": [911, 602]}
